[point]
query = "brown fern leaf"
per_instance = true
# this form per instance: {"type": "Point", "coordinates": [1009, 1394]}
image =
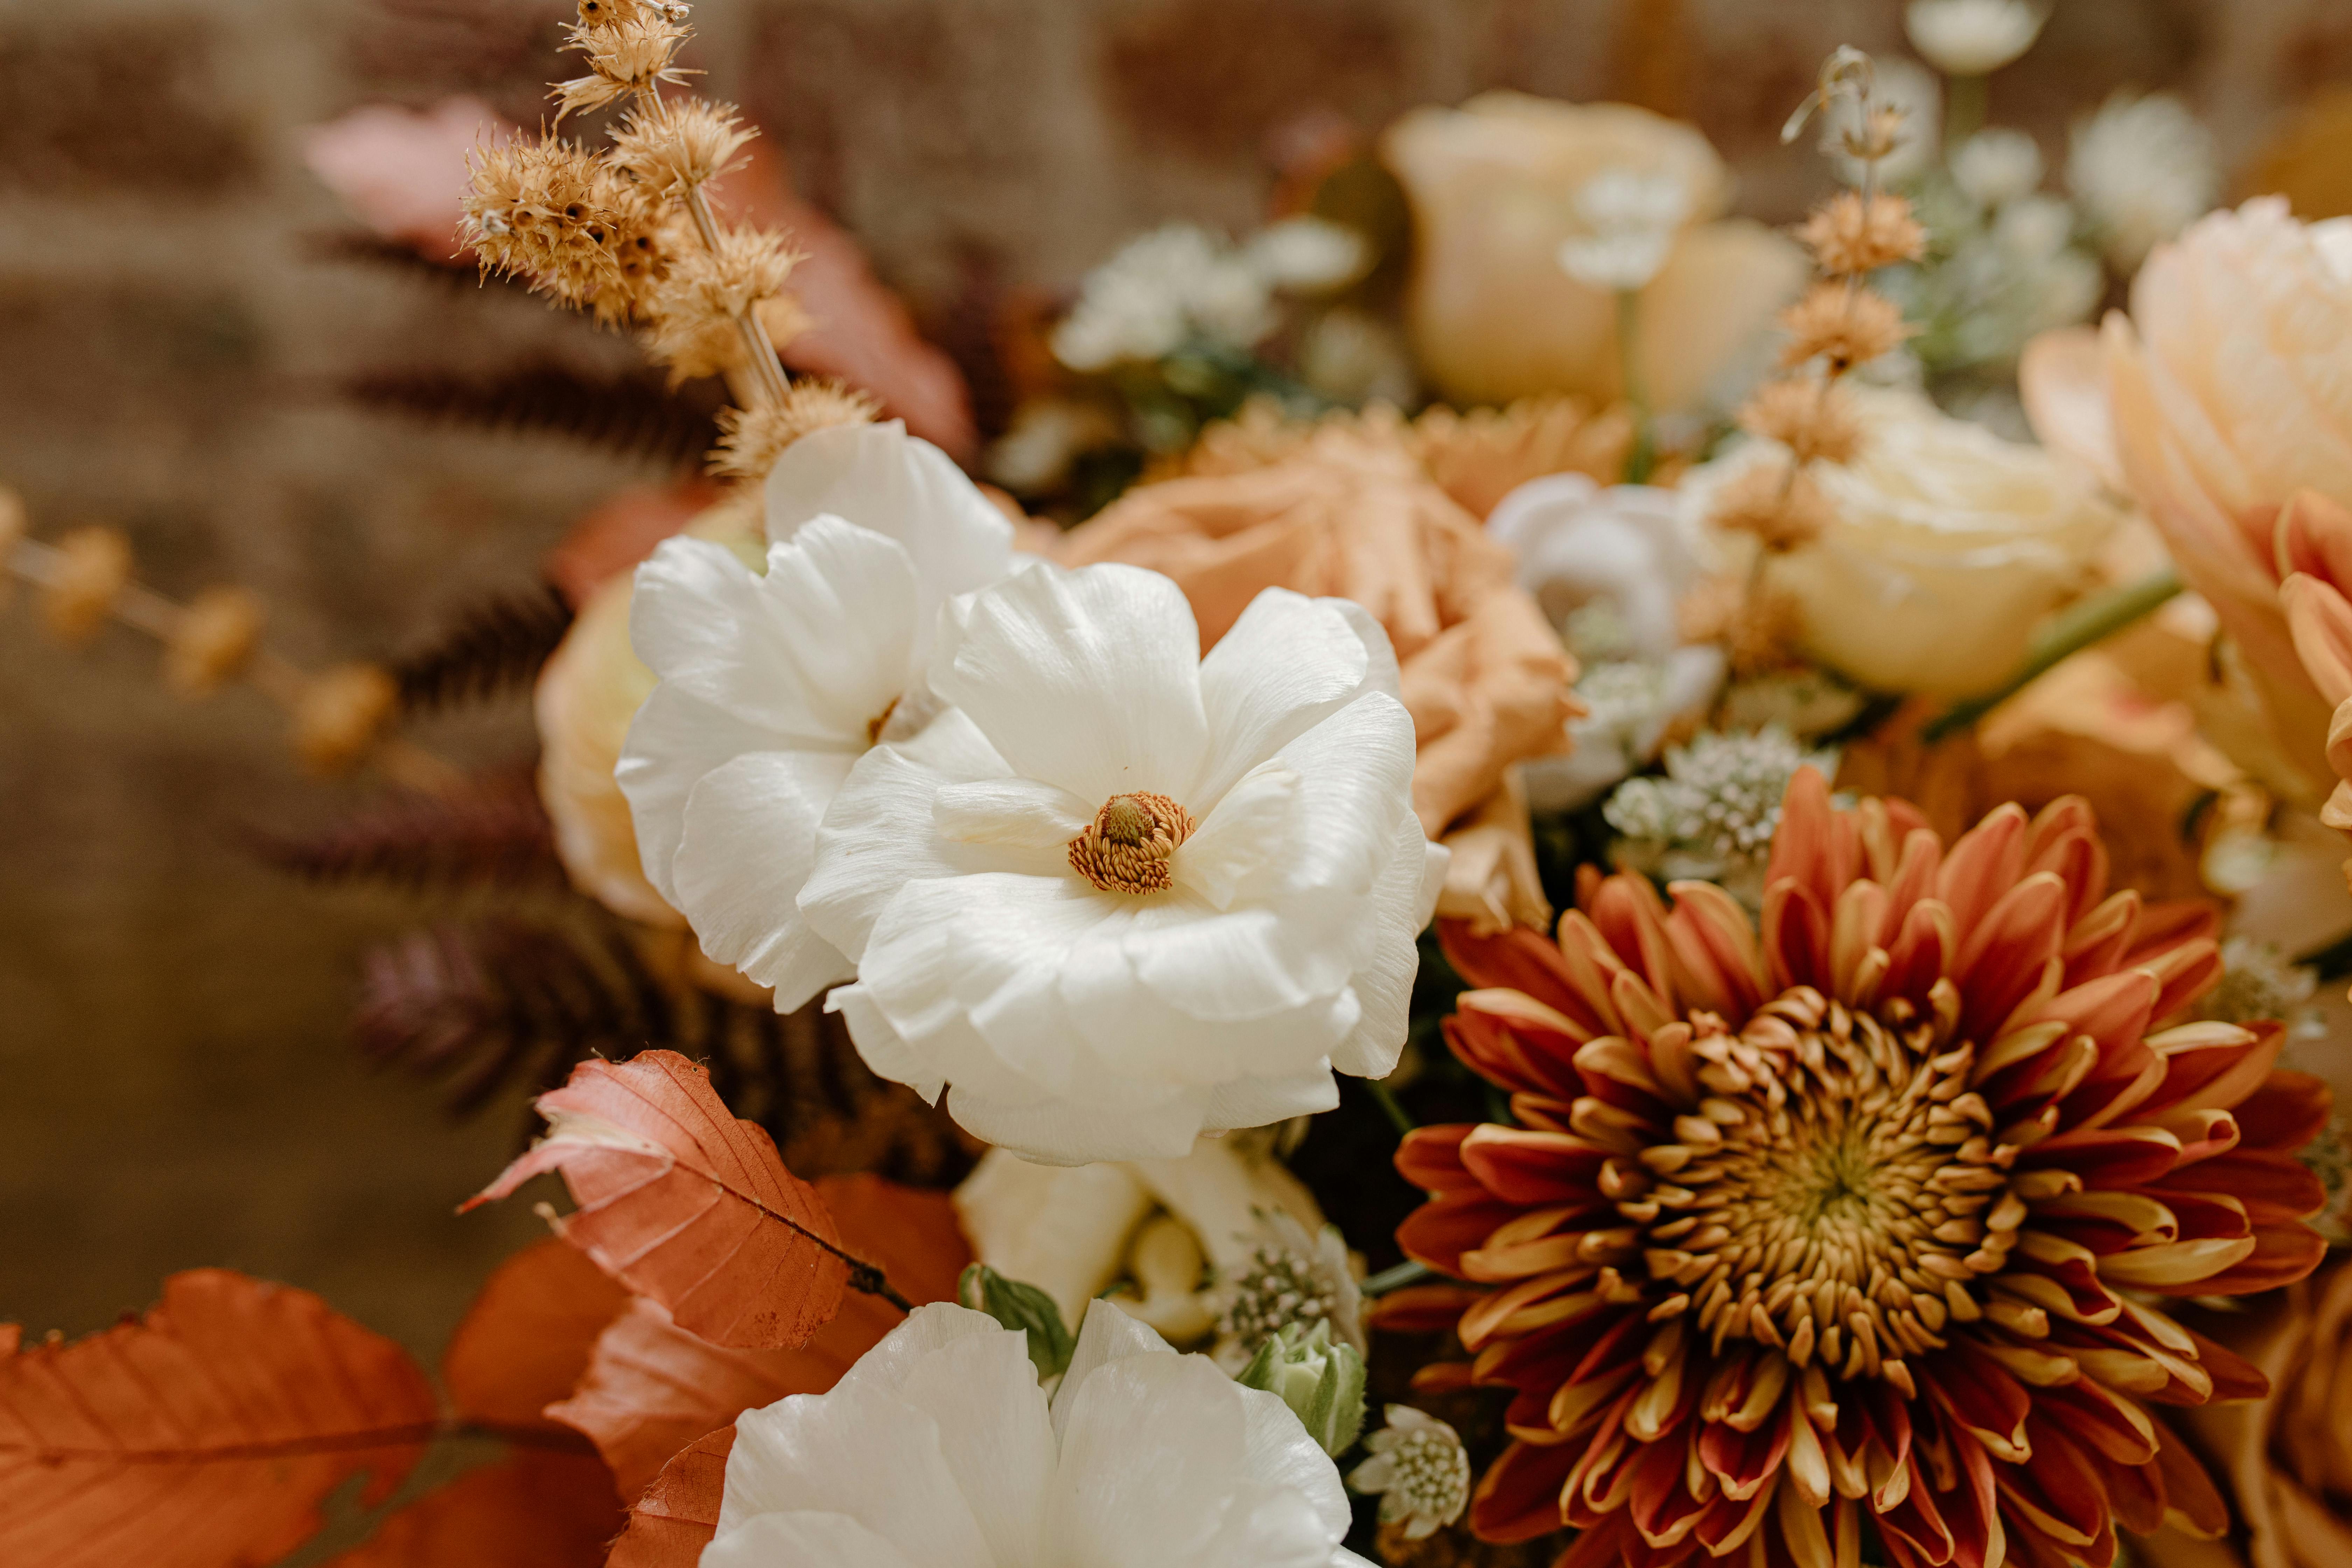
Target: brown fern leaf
{"type": "Point", "coordinates": [491, 646]}
{"type": "Point", "coordinates": [493, 832]}
{"type": "Point", "coordinates": [360, 248]}
{"type": "Point", "coordinates": [634, 414]}
{"type": "Point", "coordinates": [504, 1002]}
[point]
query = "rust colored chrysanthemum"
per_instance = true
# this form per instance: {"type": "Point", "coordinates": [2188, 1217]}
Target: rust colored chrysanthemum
{"type": "Point", "coordinates": [1865, 1213]}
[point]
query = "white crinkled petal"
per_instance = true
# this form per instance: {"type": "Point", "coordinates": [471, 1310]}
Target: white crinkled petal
{"type": "Point", "coordinates": [1280, 1453]}
{"type": "Point", "coordinates": [1287, 664]}
{"type": "Point", "coordinates": [817, 648]}
{"type": "Point", "coordinates": [1262, 1101]}
{"type": "Point", "coordinates": [994, 1433]}
{"type": "Point", "coordinates": [903, 488]}
{"type": "Point", "coordinates": [673, 741]}
{"type": "Point", "coordinates": [1381, 672]}
{"type": "Point", "coordinates": [1355, 771]}
{"type": "Point", "coordinates": [1264, 1527]}
{"type": "Point", "coordinates": [1089, 679]}
{"type": "Point", "coordinates": [750, 841]}
{"type": "Point", "coordinates": [1157, 1124]}
{"type": "Point", "coordinates": [1106, 1335]}
{"type": "Point", "coordinates": [1151, 1454]}
{"type": "Point", "coordinates": [1247, 831]}
{"type": "Point", "coordinates": [805, 1540]}
{"type": "Point", "coordinates": [1020, 812]}
{"type": "Point", "coordinates": [1397, 912]}
{"type": "Point", "coordinates": [879, 1046]}
{"type": "Point", "coordinates": [931, 1327]}
{"type": "Point", "coordinates": [858, 1452]}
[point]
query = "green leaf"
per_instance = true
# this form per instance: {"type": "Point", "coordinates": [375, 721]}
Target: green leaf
{"type": "Point", "coordinates": [1023, 1307]}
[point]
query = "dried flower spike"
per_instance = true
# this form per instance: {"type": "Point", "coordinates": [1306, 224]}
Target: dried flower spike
{"type": "Point", "coordinates": [1812, 417]}
{"type": "Point", "coordinates": [340, 715]}
{"type": "Point", "coordinates": [751, 439]}
{"type": "Point", "coordinates": [623, 57]}
{"type": "Point", "coordinates": [698, 306]}
{"type": "Point", "coordinates": [91, 568]}
{"type": "Point", "coordinates": [1784, 507]}
{"type": "Point", "coordinates": [604, 12]}
{"type": "Point", "coordinates": [213, 641]}
{"type": "Point", "coordinates": [1849, 234]}
{"type": "Point", "coordinates": [670, 147]}
{"type": "Point", "coordinates": [1842, 326]}
{"type": "Point", "coordinates": [551, 212]}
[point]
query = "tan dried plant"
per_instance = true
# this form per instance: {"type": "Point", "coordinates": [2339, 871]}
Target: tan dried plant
{"type": "Point", "coordinates": [1811, 415]}
{"type": "Point", "coordinates": [632, 57]}
{"type": "Point", "coordinates": [1850, 234]}
{"type": "Point", "coordinates": [698, 308]}
{"type": "Point", "coordinates": [751, 439]}
{"type": "Point", "coordinates": [669, 148]}
{"type": "Point", "coordinates": [1842, 325]}
{"type": "Point", "coordinates": [553, 213]}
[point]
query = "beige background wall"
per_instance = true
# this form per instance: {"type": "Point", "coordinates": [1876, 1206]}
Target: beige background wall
{"type": "Point", "coordinates": [176, 1084]}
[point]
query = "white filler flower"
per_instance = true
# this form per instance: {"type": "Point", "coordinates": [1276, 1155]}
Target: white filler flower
{"type": "Point", "coordinates": [772, 684]}
{"type": "Point", "coordinates": [939, 1450]}
{"type": "Point", "coordinates": [1121, 894]}
{"type": "Point", "coordinates": [1972, 37]}
{"type": "Point", "coordinates": [1628, 221]}
{"type": "Point", "coordinates": [1418, 1470]}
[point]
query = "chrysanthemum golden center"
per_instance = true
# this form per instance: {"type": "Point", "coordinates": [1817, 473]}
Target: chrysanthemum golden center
{"type": "Point", "coordinates": [1833, 1195]}
{"type": "Point", "coordinates": [1126, 848]}
{"type": "Point", "coordinates": [1859, 1207]}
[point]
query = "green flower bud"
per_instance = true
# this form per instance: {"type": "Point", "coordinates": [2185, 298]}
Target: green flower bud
{"type": "Point", "coordinates": [1321, 1382]}
{"type": "Point", "coordinates": [1022, 1306]}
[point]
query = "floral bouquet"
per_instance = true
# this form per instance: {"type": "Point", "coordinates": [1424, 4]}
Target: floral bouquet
{"type": "Point", "coordinates": [1684, 954]}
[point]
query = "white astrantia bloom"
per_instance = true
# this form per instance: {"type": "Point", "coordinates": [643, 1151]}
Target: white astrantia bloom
{"type": "Point", "coordinates": [772, 684]}
{"type": "Point", "coordinates": [1996, 165]}
{"type": "Point", "coordinates": [1419, 1470]}
{"type": "Point", "coordinates": [939, 1450]}
{"type": "Point", "coordinates": [1973, 37]}
{"type": "Point", "coordinates": [2143, 169]}
{"type": "Point", "coordinates": [1627, 224]}
{"type": "Point", "coordinates": [1120, 894]}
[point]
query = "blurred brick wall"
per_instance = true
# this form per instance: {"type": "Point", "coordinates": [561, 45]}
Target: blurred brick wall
{"type": "Point", "coordinates": [178, 1086]}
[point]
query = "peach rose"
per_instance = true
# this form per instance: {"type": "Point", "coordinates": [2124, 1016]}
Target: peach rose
{"type": "Point", "coordinates": [2215, 402]}
{"type": "Point", "coordinates": [1493, 315]}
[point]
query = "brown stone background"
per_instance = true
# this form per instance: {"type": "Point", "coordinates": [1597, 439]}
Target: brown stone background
{"type": "Point", "coordinates": [176, 1084]}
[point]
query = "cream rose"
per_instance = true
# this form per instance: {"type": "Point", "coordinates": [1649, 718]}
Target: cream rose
{"type": "Point", "coordinates": [1949, 544]}
{"type": "Point", "coordinates": [1493, 186]}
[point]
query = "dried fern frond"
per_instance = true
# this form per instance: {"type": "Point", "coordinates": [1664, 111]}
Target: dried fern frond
{"type": "Point", "coordinates": [496, 831]}
{"type": "Point", "coordinates": [493, 645]}
{"type": "Point", "coordinates": [361, 248]}
{"type": "Point", "coordinates": [637, 415]}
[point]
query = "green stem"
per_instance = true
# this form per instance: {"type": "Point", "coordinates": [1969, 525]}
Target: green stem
{"type": "Point", "coordinates": [1643, 458]}
{"type": "Point", "coordinates": [1387, 1101]}
{"type": "Point", "coordinates": [1396, 1278]}
{"type": "Point", "coordinates": [1964, 99]}
{"type": "Point", "coordinates": [2093, 620]}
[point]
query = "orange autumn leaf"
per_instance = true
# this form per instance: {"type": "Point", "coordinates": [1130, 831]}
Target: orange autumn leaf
{"type": "Point", "coordinates": [652, 1388]}
{"type": "Point", "coordinates": [525, 1342]}
{"type": "Point", "coordinates": [677, 1516]}
{"type": "Point", "coordinates": [206, 1433]}
{"type": "Point", "coordinates": [682, 1202]}
{"type": "Point", "coordinates": [531, 1510]}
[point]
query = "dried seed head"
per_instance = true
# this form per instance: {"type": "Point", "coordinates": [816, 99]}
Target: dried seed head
{"type": "Point", "coordinates": [669, 147]}
{"type": "Point", "coordinates": [751, 439]}
{"type": "Point", "coordinates": [696, 305]}
{"type": "Point", "coordinates": [623, 57]}
{"type": "Point", "coordinates": [91, 568]}
{"type": "Point", "coordinates": [1812, 417]}
{"type": "Point", "coordinates": [1842, 325]}
{"type": "Point", "coordinates": [1781, 506]}
{"type": "Point", "coordinates": [213, 641]}
{"type": "Point", "coordinates": [340, 715]}
{"type": "Point", "coordinates": [1126, 848]}
{"type": "Point", "coordinates": [556, 216]}
{"type": "Point", "coordinates": [604, 12]}
{"type": "Point", "coordinates": [1848, 235]}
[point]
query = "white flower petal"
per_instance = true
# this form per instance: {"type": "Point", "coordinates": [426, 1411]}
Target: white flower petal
{"type": "Point", "coordinates": [861, 1453]}
{"type": "Point", "coordinates": [1356, 777]}
{"type": "Point", "coordinates": [749, 839]}
{"type": "Point", "coordinates": [880, 1046]}
{"type": "Point", "coordinates": [933, 1326]}
{"type": "Point", "coordinates": [1398, 910]}
{"type": "Point", "coordinates": [1147, 1123]}
{"type": "Point", "coordinates": [1087, 680]}
{"type": "Point", "coordinates": [1287, 664]}
{"type": "Point", "coordinates": [1106, 1335]}
{"type": "Point", "coordinates": [994, 1433]}
{"type": "Point", "coordinates": [805, 1540]}
{"type": "Point", "coordinates": [1279, 1453]}
{"type": "Point", "coordinates": [1246, 833]}
{"type": "Point", "coordinates": [672, 743]}
{"type": "Point", "coordinates": [1262, 1101]}
{"type": "Point", "coordinates": [1151, 1452]}
{"type": "Point", "coordinates": [1264, 1526]}
{"type": "Point", "coordinates": [880, 478]}
{"type": "Point", "coordinates": [817, 649]}
{"type": "Point", "coordinates": [1021, 811]}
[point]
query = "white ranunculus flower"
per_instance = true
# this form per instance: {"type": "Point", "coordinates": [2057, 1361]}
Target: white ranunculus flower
{"type": "Point", "coordinates": [1120, 894]}
{"type": "Point", "coordinates": [939, 1450]}
{"type": "Point", "coordinates": [1949, 546]}
{"type": "Point", "coordinates": [772, 684]}
{"type": "Point", "coordinates": [1972, 37]}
